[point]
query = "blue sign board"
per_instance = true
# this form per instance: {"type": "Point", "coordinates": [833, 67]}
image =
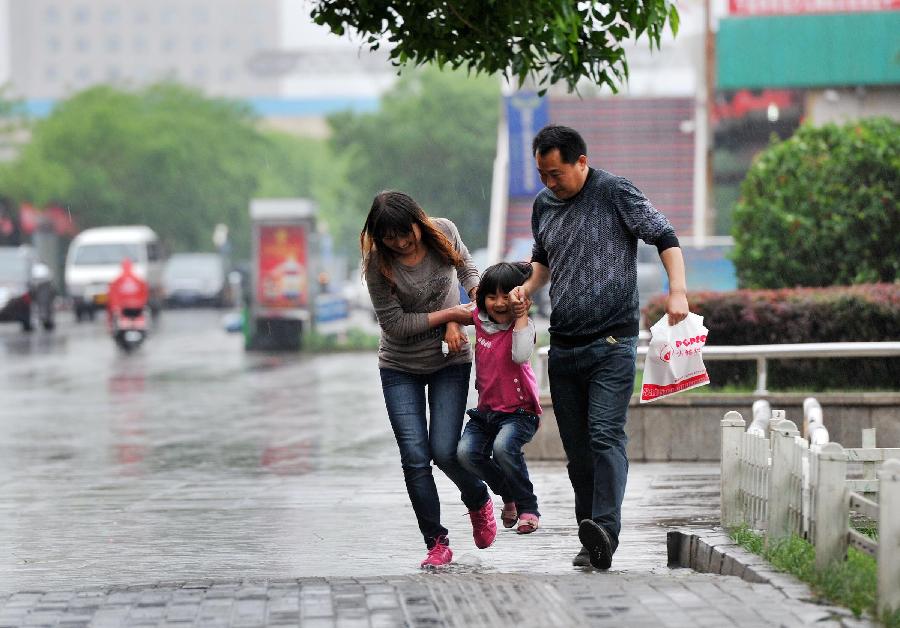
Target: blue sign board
{"type": "Point", "coordinates": [526, 114]}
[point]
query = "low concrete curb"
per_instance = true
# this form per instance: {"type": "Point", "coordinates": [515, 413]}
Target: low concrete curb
{"type": "Point", "coordinates": [713, 551]}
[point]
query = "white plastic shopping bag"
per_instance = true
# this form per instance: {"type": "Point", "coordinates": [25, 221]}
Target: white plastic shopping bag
{"type": "Point", "coordinates": [674, 358]}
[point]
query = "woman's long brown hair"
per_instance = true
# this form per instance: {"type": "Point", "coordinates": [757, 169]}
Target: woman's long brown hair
{"type": "Point", "coordinates": [394, 213]}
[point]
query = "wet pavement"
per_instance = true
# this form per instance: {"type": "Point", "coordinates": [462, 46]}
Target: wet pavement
{"type": "Point", "coordinates": [192, 483]}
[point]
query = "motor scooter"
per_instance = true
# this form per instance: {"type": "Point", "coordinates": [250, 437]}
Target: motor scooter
{"type": "Point", "coordinates": [126, 309]}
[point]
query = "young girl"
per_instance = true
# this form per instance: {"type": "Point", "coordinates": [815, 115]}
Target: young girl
{"type": "Point", "coordinates": [508, 408]}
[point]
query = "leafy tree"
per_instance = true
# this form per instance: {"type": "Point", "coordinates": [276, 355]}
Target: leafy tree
{"type": "Point", "coordinates": [433, 137]}
{"type": "Point", "coordinates": [164, 156]}
{"type": "Point", "coordinates": [821, 208]}
{"type": "Point", "coordinates": [549, 40]}
{"type": "Point", "coordinates": [310, 168]}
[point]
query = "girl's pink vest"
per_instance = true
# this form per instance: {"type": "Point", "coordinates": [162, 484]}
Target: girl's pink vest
{"type": "Point", "coordinates": [503, 385]}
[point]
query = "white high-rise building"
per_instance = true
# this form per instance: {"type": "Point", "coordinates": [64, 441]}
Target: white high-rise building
{"type": "Point", "coordinates": [58, 47]}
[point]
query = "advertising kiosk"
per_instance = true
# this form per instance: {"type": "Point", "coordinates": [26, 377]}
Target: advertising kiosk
{"type": "Point", "coordinates": [282, 247]}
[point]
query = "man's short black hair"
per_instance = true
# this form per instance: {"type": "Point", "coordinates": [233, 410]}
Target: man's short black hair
{"type": "Point", "coordinates": [569, 142]}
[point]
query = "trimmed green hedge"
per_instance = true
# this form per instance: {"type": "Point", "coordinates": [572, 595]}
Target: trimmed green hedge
{"type": "Point", "coordinates": [821, 208]}
{"type": "Point", "coordinates": [862, 313]}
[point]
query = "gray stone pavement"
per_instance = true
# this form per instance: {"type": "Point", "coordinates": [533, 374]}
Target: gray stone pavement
{"type": "Point", "coordinates": [193, 485]}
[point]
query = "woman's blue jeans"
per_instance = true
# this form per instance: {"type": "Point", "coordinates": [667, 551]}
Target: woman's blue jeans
{"type": "Point", "coordinates": [405, 396]}
{"type": "Point", "coordinates": [491, 448]}
{"type": "Point", "coordinates": [591, 387]}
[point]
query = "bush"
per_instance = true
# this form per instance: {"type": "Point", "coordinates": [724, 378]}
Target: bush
{"type": "Point", "coordinates": [863, 313]}
{"type": "Point", "coordinates": [820, 209]}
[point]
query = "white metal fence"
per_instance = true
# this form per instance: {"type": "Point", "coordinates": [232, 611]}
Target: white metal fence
{"type": "Point", "coordinates": [761, 354]}
{"type": "Point", "coordinates": [774, 480]}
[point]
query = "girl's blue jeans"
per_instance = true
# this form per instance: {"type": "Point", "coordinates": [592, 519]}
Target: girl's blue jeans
{"type": "Point", "coordinates": [491, 448]}
{"type": "Point", "coordinates": [424, 438]}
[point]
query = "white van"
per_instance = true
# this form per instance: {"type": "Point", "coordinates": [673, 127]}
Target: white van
{"type": "Point", "coordinates": [95, 259]}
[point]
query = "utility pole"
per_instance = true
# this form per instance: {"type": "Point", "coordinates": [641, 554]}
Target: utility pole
{"type": "Point", "coordinates": [710, 68]}
{"type": "Point", "coordinates": [703, 132]}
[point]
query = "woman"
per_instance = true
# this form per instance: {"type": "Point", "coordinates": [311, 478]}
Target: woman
{"type": "Point", "coordinates": [413, 266]}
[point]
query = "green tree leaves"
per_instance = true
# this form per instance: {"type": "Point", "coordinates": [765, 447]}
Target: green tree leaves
{"type": "Point", "coordinates": [821, 208]}
{"type": "Point", "coordinates": [168, 157]}
{"type": "Point", "coordinates": [549, 40]}
{"type": "Point", "coordinates": [165, 156]}
{"type": "Point", "coordinates": [434, 137]}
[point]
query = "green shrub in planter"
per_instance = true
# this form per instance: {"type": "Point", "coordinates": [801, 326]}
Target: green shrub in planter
{"type": "Point", "coordinates": [862, 313]}
{"type": "Point", "coordinates": [821, 209]}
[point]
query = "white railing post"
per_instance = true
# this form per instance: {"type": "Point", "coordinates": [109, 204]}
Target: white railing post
{"type": "Point", "coordinates": [780, 480]}
{"type": "Point", "coordinates": [813, 422]}
{"type": "Point", "coordinates": [761, 376]}
{"type": "Point", "coordinates": [830, 511]}
{"type": "Point", "coordinates": [761, 411]}
{"type": "Point", "coordinates": [869, 437]}
{"type": "Point", "coordinates": [889, 536]}
{"type": "Point", "coordinates": [732, 430]}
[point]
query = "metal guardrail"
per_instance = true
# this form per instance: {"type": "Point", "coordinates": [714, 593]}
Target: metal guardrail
{"type": "Point", "coordinates": [763, 353]}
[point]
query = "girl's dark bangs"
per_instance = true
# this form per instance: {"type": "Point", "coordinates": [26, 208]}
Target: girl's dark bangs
{"type": "Point", "coordinates": [503, 277]}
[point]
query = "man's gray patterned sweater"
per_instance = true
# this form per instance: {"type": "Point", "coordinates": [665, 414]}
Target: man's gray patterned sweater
{"type": "Point", "coordinates": [589, 243]}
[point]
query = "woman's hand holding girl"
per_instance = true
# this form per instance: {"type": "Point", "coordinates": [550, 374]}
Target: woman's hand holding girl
{"type": "Point", "coordinates": [456, 337]}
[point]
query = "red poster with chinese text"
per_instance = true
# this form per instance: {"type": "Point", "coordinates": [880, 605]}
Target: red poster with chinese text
{"type": "Point", "coordinates": [283, 279]}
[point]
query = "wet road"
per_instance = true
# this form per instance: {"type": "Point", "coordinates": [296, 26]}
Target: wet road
{"type": "Point", "coordinates": [192, 459]}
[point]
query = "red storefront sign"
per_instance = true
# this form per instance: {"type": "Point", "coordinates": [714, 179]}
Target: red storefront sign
{"type": "Point", "coordinates": [283, 278]}
{"type": "Point", "coordinates": [796, 7]}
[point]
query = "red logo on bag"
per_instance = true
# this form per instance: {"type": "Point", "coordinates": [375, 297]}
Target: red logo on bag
{"type": "Point", "coordinates": [687, 342]}
{"type": "Point", "coordinates": [665, 352]}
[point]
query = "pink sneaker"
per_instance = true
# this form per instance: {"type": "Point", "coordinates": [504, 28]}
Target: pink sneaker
{"type": "Point", "coordinates": [509, 515]}
{"type": "Point", "coordinates": [438, 556]}
{"type": "Point", "coordinates": [484, 526]}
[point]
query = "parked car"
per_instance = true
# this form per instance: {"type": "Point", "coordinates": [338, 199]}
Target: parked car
{"type": "Point", "coordinates": [196, 279]}
{"type": "Point", "coordinates": [95, 258]}
{"type": "Point", "coordinates": [26, 288]}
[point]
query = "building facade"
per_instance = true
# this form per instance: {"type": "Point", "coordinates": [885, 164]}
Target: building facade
{"type": "Point", "coordinates": [58, 47]}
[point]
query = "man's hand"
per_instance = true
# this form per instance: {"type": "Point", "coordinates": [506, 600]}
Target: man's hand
{"type": "Point", "coordinates": [456, 337]}
{"type": "Point", "coordinates": [676, 307]}
{"type": "Point", "coordinates": [520, 301]}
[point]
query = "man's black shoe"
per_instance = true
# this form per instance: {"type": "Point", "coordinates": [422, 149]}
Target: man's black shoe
{"type": "Point", "coordinates": [596, 540]}
{"type": "Point", "coordinates": [582, 558]}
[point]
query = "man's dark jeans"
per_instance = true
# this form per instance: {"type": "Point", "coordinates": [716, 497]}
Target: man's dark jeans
{"type": "Point", "coordinates": [591, 387]}
{"type": "Point", "coordinates": [491, 448]}
{"type": "Point", "coordinates": [420, 443]}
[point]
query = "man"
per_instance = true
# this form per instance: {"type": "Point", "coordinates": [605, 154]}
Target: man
{"type": "Point", "coordinates": [586, 224]}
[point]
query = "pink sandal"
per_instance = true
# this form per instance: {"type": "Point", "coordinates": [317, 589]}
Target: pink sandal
{"type": "Point", "coordinates": [508, 515]}
{"type": "Point", "coordinates": [528, 523]}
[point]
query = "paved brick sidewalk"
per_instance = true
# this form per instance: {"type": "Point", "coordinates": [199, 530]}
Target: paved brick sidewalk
{"type": "Point", "coordinates": [452, 599]}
